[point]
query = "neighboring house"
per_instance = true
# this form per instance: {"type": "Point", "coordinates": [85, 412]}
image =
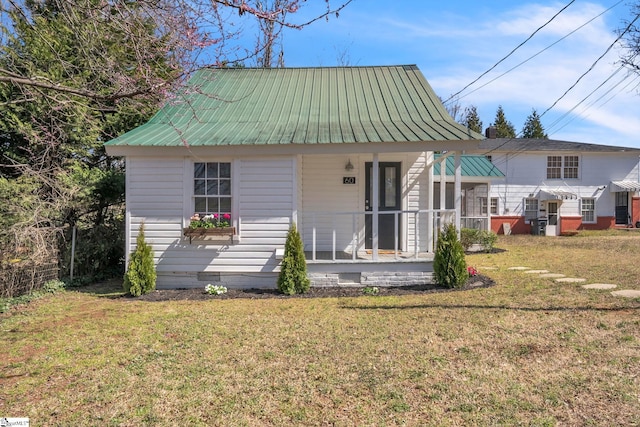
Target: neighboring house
{"type": "Point", "coordinates": [347, 153]}
{"type": "Point", "coordinates": [553, 187]}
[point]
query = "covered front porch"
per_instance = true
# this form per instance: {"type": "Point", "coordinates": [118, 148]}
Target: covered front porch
{"type": "Point", "coordinates": [385, 207]}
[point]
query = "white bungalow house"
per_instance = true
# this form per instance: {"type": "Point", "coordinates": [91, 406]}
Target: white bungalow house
{"type": "Point", "coordinates": [347, 153]}
{"type": "Point", "coordinates": [552, 187]}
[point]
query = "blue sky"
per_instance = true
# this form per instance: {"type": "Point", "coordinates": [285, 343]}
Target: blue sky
{"type": "Point", "coordinates": [454, 42]}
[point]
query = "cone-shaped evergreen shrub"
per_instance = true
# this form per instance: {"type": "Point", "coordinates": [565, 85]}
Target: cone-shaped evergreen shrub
{"type": "Point", "coordinates": [449, 264]}
{"type": "Point", "coordinates": [140, 277]}
{"type": "Point", "coordinates": [293, 270]}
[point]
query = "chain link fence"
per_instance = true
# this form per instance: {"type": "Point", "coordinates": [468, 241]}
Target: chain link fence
{"type": "Point", "coordinates": [23, 277]}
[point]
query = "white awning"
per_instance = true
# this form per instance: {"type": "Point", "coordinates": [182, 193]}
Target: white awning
{"type": "Point", "coordinates": [624, 186]}
{"type": "Point", "coordinates": [556, 194]}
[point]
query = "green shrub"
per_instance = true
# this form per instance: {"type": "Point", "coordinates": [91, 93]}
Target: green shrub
{"type": "Point", "coordinates": [140, 277]}
{"type": "Point", "coordinates": [53, 286]}
{"type": "Point", "coordinates": [293, 270]}
{"type": "Point", "coordinates": [488, 240]}
{"type": "Point", "coordinates": [471, 236]}
{"type": "Point", "coordinates": [449, 263]}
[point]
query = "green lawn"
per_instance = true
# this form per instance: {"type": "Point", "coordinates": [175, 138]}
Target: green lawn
{"type": "Point", "coordinates": [527, 351]}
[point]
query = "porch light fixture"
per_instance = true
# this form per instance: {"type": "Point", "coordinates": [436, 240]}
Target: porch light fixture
{"type": "Point", "coordinates": [348, 167]}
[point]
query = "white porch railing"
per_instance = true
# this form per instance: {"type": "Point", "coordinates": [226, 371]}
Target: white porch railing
{"type": "Point", "coordinates": [475, 222]}
{"type": "Point", "coordinates": [344, 233]}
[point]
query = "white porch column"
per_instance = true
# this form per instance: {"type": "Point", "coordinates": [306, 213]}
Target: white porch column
{"type": "Point", "coordinates": [375, 201]}
{"type": "Point", "coordinates": [457, 190]}
{"type": "Point", "coordinates": [488, 206]}
{"type": "Point", "coordinates": [443, 182]}
{"type": "Point", "coordinates": [430, 201]}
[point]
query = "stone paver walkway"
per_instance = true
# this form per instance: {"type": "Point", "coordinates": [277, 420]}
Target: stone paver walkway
{"type": "Point", "coordinates": [600, 286]}
{"type": "Point", "coordinates": [571, 280]}
{"type": "Point", "coordinates": [627, 293]}
{"type": "Point", "coordinates": [552, 275]}
{"type": "Point", "coordinates": [561, 278]}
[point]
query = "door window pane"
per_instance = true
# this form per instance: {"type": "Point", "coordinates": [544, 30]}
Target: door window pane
{"type": "Point", "coordinates": [390, 187]}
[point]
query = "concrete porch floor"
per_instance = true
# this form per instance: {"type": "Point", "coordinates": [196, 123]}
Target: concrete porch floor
{"type": "Point", "coordinates": [384, 256]}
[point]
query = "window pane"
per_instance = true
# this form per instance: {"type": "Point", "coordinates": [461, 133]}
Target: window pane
{"type": "Point", "coordinates": [225, 187]}
{"type": "Point", "coordinates": [212, 187]}
{"type": "Point", "coordinates": [212, 205]}
{"type": "Point", "coordinates": [554, 167]}
{"type": "Point", "coordinates": [212, 170]}
{"type": "Point", "coordinates": [588, 210]}
{"type": "Point", "coordinates": [225, 170]}
{"type": "Point", "coordinates": [198, 170]}
{"type": "Point", "coordinates": [530, 208]}
{"type": "Point", "coordinates": [199, 186]}
{"type": "Point", "coordinates": [225, 204]}
{"type": "Point", "coordinates": [494, 205]}
{"type": "Point", "coordinates": [201, 205]}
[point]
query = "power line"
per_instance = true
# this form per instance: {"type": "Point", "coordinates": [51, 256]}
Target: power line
{"type": "Point", "coordinates": [612, 75]}
{"type": "Point", "coordinates": [626, 30]}
{"type": "Point", "coordinates": [536, 54]}
{"type": "Point", "coordinates": [510, 53]}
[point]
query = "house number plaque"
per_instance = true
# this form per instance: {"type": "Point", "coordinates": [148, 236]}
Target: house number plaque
{"type": "Point", "coordinates": [348, 179]}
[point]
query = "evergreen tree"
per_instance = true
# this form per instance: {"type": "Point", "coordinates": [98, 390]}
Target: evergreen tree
{"type": "Point", "coordinates": [471, 119]}
{"type": "Point", "coordinates": [533, 127]}
{"type": "Point", "coordinates": [140, 277]}
{"type": "Point", "coordinates": [449, 264]}
{"type": "Point", "coordinates": [504, 128]}
{"type": "Point", "coordinates": [293, 270]}
{"type": "Point", "coordinates": [52, 129]}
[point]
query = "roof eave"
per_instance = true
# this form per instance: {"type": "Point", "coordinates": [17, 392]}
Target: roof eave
{"type": "Point", "coordinates": [292, 149]}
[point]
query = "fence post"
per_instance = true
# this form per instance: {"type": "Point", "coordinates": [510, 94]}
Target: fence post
{"type": "Point", "coordinates": [73, 251]}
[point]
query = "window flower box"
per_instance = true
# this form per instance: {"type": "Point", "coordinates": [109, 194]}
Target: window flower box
{"type": "Point", "coordinates": [212, 233]}
{"type": "Point", "coordinates": [210, 227]}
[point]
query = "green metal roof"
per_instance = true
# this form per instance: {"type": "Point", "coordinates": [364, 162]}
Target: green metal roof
{"type": "Point", "coordinates": [470, 165]}
{"type": "Point", "coordinates": [251, 106]}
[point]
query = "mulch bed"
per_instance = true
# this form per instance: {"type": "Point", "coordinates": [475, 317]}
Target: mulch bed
{"type": "Point", "coordinates": [478, 281]}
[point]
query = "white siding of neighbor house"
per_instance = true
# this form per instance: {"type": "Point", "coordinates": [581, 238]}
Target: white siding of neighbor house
{"type": "Point", "coordinates": [526, 173]}
{"type": "Point", "coordinates": [264, 194]}
{"type": "Point", "coordinates": [323, 191]}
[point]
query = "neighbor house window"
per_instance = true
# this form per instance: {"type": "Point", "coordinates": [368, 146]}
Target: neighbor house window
{"type": "Point", "coordinates": [483, 205]}
{"type": "Point", "coordinates": [212, 188]}
{"type": "Point", "coordinates": [559, 167]}
{"type": "Point", "coordinates": [530, 209]}
{"type": "Point", "coordinates": [588, 210]}
{"type": "Point", "coordinates": [494, 206]}
{"type": "Point", "coordinates": [571, 167]}
{"type": "Point", "coordinates": [554, 167]}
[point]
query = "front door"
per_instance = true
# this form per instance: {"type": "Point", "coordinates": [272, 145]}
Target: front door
{"type": "Point", "coordinates": [552, 218]}
{"type": "Point", "coordinates": [390, 192]}
{"type": "Point", "coordinates": [622, 208]}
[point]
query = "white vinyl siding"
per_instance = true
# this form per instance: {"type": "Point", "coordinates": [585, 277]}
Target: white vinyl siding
{"type": "Point", "coordinates": [324, 194]}
{"type": "Point", "coordinates": [266, 195]}
{"type": "Point", "coordinates": [160, 193]}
